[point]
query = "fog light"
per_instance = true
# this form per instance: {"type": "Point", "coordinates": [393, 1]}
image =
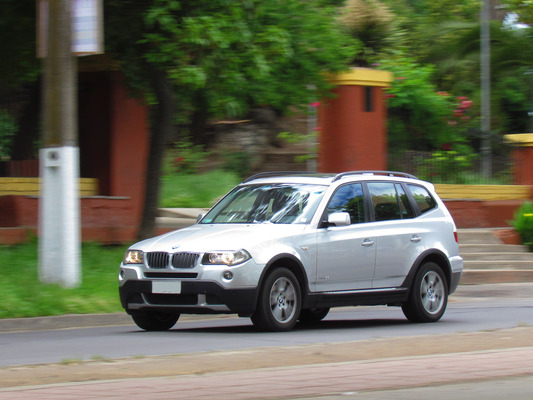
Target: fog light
{"type": "Point", "coordinates": [228, 275]}
{"type": "Point", "coordinates": [122, 273]}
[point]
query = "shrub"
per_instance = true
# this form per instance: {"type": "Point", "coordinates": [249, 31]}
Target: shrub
{"type": "Point", "coordinates": [523, 223]}
{"type": "Point", "coordinates": [187, 157]}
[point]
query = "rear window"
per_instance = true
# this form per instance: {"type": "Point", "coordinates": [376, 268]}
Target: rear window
{"type": "Point", "coordinates": [423, 198]}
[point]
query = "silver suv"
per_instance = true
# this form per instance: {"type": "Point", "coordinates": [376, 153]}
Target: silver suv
{"type": "Point", "coordinates": [286, 247]}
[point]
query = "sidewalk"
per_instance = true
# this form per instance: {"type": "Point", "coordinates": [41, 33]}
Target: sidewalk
{"type": "Point", "coordinates": [334, 379]}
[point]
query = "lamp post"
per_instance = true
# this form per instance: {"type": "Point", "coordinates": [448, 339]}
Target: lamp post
{"type": "Point", "coordinates": [59, 208]}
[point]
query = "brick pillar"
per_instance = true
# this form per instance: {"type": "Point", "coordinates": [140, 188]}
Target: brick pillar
{"type": "Point", "coordinates": [522, 158]}
{"type": "Point", "coordinates": [353, 133]}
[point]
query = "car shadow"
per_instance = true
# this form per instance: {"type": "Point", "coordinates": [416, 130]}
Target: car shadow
{"type": "Point", "coordinates": [325, 325]}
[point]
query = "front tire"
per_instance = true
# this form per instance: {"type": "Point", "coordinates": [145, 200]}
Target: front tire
{"type": "Point", "coordinates": [279, 302]}
{"type": "Point", "coordinates": [429, 295]}
{"type": "Point", "coordinates": [155, 321]}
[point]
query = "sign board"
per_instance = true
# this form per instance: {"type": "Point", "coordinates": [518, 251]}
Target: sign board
{"type": "Point", "coordinates": [87, 27]}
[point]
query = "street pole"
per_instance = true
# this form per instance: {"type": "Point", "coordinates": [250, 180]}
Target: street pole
{"type": "Point", "coordinates": [59, 206]}
{"type": "Point", "coordinates": [486, 153]}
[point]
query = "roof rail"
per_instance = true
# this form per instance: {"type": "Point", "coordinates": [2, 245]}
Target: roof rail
{"type": "Point", "coordinates": [272, 174]}
{"type": "Point", "coordinates": [387, 173]}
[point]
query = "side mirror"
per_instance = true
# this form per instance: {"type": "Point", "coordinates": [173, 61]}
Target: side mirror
{"type": "Point", "coordinates": [200, 217]}
{"type": "Point", "coordinates": [339, 219]}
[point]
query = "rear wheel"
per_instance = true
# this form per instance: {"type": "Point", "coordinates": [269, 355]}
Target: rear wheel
{"type": "Point", "coordinates": [279, 302]}
{"type": "Point", "coordinates": [155, 320]}
{"type": "Point", "coordinates": [429, 295]}
{"type": "Point", "coordinates": [313, 314]}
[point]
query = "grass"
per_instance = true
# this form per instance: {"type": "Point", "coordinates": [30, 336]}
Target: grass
{"type": "Point", "coordinates": [22, 295]}
{"type": "Point", "coordinates": [202, 190]}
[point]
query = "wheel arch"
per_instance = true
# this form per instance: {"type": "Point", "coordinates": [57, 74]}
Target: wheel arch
{"type": "Point", "coordinates": [431, 255]}
{"type": "Point", "coordinates": [294, 265]}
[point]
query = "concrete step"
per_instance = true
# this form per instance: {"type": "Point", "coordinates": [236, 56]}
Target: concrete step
{"type": "Point", "coordinates": [483, 276]}
{"type": "Point", "coordinates": [492, 248]}
{"type": "Point", "coordinates": [494, 256]}
{"type": "Point", "coordinates": [499, 264]}
{"type": "Point", "coordinates": [477, 236]}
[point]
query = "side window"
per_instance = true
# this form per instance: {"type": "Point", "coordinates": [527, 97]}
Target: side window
{"type": "Point", "coordinates": [384, 200]}
{"type": "Point", "coordinates": [406, 208]}
{"type": "Point", "coordinates": [423, 198]}
{"type": "Point", "coordinates": [350, 199]}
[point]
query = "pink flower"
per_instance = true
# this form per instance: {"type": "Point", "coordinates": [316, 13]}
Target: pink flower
{"type": "Point", "coordinates": [315, 104]}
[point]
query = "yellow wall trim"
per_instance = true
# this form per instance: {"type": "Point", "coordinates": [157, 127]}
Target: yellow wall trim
{"type": "Point", "coordinates": [483, 192]}
{"type": "Point", "coordinates": [30, 186]}
{"type": "Point", "coordinates": [363, 77]}
{"type": "Point", "coordinates": [521, 139]}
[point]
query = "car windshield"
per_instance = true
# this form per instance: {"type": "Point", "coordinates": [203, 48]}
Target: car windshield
{"type": "Point", "coordinates": [275, 203]}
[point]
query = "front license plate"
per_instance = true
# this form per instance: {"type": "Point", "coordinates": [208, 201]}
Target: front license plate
{"type": "Point", "coordinates": [173, 287]}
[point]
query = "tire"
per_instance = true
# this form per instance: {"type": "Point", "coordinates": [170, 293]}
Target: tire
{"type": "Point", "coordinates": [310, 315]}
{"type": "Point", "coordinates": [155, 321]}
{"type": "Point", "coordinates": [279, 303]}
{"type": "Point", "coordinates": [429, 295]}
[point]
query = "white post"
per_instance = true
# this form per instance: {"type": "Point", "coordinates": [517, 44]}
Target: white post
{"type": "Point", "coordinates": [59, 217]}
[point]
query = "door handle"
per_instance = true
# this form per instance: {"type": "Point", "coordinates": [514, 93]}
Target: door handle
{"type": "Point", "coordinates": [367, 243]}
{"type": "Point", "coordinates": [416, 239]}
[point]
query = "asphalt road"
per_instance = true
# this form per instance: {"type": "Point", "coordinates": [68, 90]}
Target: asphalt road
{"type": "Point", "coordinates": [227, 333]}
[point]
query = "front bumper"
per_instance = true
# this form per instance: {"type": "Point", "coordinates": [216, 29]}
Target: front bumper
{"type": "Point", "coordinates": [195, 298]}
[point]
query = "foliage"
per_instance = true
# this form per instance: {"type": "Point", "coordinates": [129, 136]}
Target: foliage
{"type": "Point", "coordinates": [446, 166]}
{"type": "Point", "coordinates": [23, 296]}
{"type": "Point", "coordinates": [523, 223]}
{"type": "Point", "coordinates": [187, 157]}
{"type": "Point", "coordinates": [237, 162]}
{"type": "Point", "coordinates": [8, 129]}
{"type": "Point", "coordinates": [420, 117]}
{"type": "Point", "coordinates": [197, 191]}
{"type": "Point", "coordinates": [232, 55]}
{"type": "Point", "coordinates": [17, 23]}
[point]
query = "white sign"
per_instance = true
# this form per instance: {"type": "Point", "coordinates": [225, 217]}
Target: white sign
{"type": "Point", "coordinates": [87, 27]}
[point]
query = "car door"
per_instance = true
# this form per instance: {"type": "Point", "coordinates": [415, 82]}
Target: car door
{"type": "Point", "coordinates": [399, 235]}
{"type": "Point", "coordinates": [346, 254]}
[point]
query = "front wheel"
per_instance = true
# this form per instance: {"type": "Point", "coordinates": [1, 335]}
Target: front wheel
{"type": "Point", "coordinates": [279, 302]}
{"type": "Point", "coordinates": [429, 295]}
{"type": "Point", "coordinates": [155, 321]}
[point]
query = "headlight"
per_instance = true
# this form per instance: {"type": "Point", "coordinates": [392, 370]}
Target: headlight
{"type": "Point", "coordinates": [134, 257]}
{"type": "Point", "coordinates": [226, 257]}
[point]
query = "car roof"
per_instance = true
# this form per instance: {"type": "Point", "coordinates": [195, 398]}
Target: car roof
{"type": "Point", "coordinates": [322, 178]}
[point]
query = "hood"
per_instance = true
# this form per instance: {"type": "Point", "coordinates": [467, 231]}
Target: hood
{"type": "Point", "coordinates": [201, 238]}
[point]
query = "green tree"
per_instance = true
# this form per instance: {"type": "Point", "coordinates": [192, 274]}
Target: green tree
{"type": "Point", "coordinates": [19, 75]}
{"type": "Point", "coordinates": [206, 58]}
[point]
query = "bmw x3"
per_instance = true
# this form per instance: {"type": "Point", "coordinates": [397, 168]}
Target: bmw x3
{"type": "Point", "coordinates": [286, 247]}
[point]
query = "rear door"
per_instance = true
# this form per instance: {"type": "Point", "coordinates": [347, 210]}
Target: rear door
{"type": "Point", "coordinates": [399, 234]}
